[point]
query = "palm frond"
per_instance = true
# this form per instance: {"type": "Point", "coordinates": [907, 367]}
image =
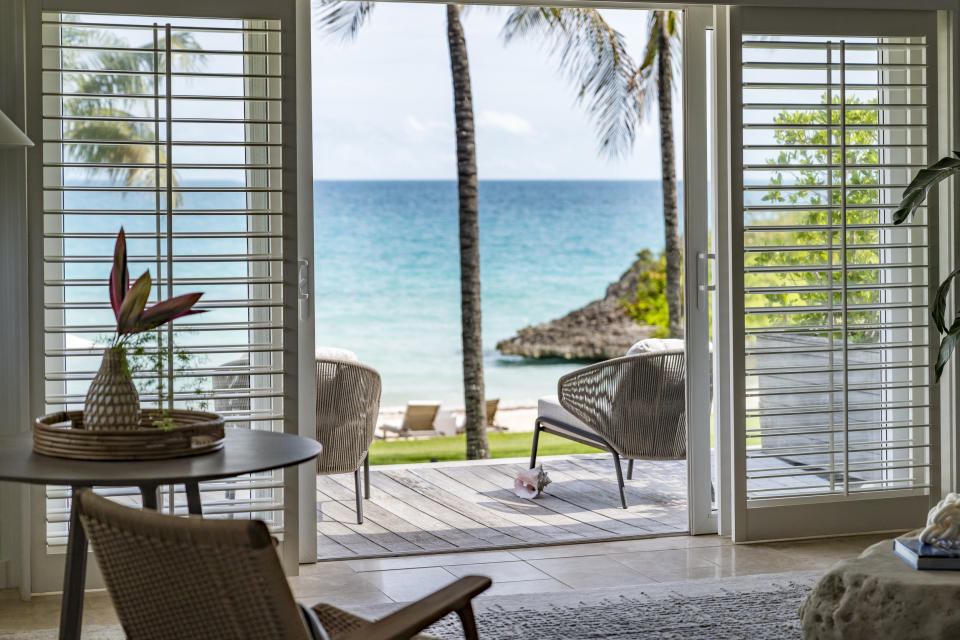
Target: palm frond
{"type": "Point", "coordinates": [113, 87]}
{"type": "Point", "coordinates": [342, 17]}
{"type": "Point", "coordinates": [593, 55]}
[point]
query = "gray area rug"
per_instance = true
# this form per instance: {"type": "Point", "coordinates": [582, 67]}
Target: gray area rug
{"type": "Point", "coordinates": [751, 608]}
{"type": "Point", "coordinates": [744, 608]}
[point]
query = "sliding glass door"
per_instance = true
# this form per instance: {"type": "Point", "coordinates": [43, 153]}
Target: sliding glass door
{"type": "Point", "coordinates": [835, 422]}
{"type": "Point", "coordinates": [174, 128]}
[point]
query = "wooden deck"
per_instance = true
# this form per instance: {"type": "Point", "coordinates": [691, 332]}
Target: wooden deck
{"type": "Point", "coordinates": [467, 506]}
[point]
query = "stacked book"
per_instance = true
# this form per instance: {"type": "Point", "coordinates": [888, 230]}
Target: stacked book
{"type": "Point", "coordinates": [924, 556]}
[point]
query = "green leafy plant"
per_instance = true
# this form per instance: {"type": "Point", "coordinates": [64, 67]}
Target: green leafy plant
{"type": "Point", "coordinates": [818, 291]}
{"type": "Point", "coordinates": [649, 307]}
{"type": "Point", "coordinates": [913, 196]}
{"type": "Point", "coordinates": [147, 353]}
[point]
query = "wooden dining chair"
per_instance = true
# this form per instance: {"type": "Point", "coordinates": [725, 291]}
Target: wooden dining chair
{"type": "Point", "coordinates": [173, 578]}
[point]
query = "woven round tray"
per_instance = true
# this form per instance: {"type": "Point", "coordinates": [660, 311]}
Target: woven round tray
{"type": "Point", "coordinates": [62, 435]}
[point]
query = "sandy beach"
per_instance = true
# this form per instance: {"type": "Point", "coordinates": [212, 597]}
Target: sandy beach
{"type": "Point", "coordinates": [514, 418]}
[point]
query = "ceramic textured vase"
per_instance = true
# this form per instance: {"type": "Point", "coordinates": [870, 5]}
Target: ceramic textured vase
{"type": "Point", "coordinates": [112, 401]}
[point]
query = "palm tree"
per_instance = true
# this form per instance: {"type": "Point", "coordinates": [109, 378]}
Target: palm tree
{"type": "Point", "coordinates": [345, 18]}
{"type": "Point", "coordinates": [113, 115]}
{"type": "Point", "coordinates": [106, 114]}
{"type": "Point", "coordinates": [617, 94]}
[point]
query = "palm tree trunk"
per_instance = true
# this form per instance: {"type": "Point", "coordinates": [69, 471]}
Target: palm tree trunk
{"type": "Point", "coordinates": [473, 392]}
{"type": "Point", "coordinates": [671, 219]}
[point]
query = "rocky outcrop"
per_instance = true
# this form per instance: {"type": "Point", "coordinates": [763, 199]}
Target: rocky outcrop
{"type": "Point", "coordinates": [598, 331]}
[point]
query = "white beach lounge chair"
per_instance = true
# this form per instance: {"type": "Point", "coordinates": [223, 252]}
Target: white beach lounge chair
{"type": "Point", "coordinates": [417, 422]}
{"type": "Point", "coordinates": [491, 409]}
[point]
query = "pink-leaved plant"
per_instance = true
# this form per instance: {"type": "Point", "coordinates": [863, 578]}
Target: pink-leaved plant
{"type": "Point", "coordinates": [129, 301]}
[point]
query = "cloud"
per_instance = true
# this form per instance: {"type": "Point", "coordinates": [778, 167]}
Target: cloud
{"type": "Point", "coordinates": [420, 127]}
{"type": "Point", "coordinates": [509, 122]}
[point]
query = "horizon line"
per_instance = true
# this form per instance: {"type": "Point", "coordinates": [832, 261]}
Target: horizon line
{"type": "Point", "coordinates": [316, 179]}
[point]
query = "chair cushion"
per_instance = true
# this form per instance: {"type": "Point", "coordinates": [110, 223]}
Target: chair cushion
{"type": "Point", "coordinates": [655, 344]}
{"type": "Point", "coordinates": [549, 407]}
{"type": "Point", "coordinates": [335, 353]}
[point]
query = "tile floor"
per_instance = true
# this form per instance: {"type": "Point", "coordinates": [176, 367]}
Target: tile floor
{"type": "Point", "coordinates": [358, 583]}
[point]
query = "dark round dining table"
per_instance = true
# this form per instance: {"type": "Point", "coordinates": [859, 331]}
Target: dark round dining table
{"type": "Point", "coordinates": [244, 451]}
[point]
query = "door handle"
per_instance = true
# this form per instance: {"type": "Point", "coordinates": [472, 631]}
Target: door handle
{"type": "Point", "coordinates": [703, 277]}
{"type": "Point", "coordinates": [303, 288]}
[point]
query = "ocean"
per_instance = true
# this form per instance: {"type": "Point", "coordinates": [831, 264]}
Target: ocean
{"type": "Point", "coordinates": [387, 273]}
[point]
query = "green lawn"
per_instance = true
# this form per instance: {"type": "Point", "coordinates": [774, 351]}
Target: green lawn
{"type": "Point", "coordinates": [502, 445]}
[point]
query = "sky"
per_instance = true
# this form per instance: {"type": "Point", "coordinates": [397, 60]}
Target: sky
{"type": "Point", "coordinates": [383, 105]}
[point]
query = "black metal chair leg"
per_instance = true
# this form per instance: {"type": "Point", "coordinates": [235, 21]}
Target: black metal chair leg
{"type": "Point", "coordinates": [366, 476]}
{"type": "Point", "coordinates": [616, 464]}
{"type": "Point", "coordinates": [74, 574]}
{"type": "Point", "coordinates": [630, 469]}
{"type": "Point", "coordinates": [536, 441]}
{"type": "Point", "coordinates": [356, 485]}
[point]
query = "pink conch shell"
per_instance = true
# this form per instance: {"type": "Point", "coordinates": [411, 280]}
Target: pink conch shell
{"type": "Point", "coordinates": [530, 483]}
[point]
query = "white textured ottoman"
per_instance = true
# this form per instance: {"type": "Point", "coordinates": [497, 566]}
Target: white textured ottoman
{"type": "Point", "coordinates": [878, 596]}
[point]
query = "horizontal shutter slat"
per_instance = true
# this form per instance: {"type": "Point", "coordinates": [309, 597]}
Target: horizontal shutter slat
{"type": "Point", "coordinates": [175, 193]}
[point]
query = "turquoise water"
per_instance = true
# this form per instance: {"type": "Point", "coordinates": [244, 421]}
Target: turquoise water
{"type": "Point", "coordinates": [387, 280]}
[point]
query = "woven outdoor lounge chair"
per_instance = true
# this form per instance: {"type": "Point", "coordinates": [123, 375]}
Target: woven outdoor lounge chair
{"type": "Point", "coordinates": [173, 578]}
{"type": "Point", "coordinates": [348, 404]}
{"type": "Point", "coordinates": [633, 407]}
{"type": "Point", "coordinates": [417, 422]}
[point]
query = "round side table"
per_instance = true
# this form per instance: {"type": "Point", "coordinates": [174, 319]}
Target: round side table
{"type": "Point", "coordinates": [244, 451]}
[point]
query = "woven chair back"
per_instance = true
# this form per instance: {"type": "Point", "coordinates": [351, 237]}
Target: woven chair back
{"type": "Point", "coordinates": [636, 403]}
{"type": "Point", "coordinates": [348, 404]}
{"type": "Point", "coordinates": [236, 382]}
{"type": "Point", "coordinates": [173, 578]}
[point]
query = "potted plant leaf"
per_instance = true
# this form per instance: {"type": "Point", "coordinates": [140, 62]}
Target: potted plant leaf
{"type": "Point", "coordinates": [112, 401]}
{"type": "Point", "coordinates": [913, 196]}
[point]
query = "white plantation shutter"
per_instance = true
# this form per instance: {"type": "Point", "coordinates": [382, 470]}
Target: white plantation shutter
{"type": "Point", "coordinates": [172, 128]}
{"type": "Point", "coordinates": [836, 425]}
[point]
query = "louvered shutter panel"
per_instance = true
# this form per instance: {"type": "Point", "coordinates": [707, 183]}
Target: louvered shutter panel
{"type": "Point", "coordinates": [836, 405]}
{"type": "Point", "coordinates": [172, 128]}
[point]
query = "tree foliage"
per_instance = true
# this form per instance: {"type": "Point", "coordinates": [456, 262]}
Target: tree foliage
{"type": "Point", "coordinates": [649, 306]}
{"type": "Point", "coordinates": [808, 295]}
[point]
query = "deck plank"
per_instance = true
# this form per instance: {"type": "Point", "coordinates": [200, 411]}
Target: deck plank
{"type": "Point", "coordinates": [461, 506]}
{"type": "Point", "coordinates": [651, 486]}
{"type": "Point", "coordinates": [432, 484]}
{"type": "Point", "coordinates": [589, 492]}
{"type": "Point", "coordinates": [343, 535]}
{"type": "Point", "coordinates": [492, 485]}
{"type": "Point", "coordinates": [450, 524]}
{"type": "Point", "coordinates": [611, 526]}
{"type": "Point", "coordinates": [377, 516]}
{"type": "Point", "coordinates": [344, 511]}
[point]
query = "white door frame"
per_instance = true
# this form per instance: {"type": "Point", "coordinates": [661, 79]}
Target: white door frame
{"type": "Point", "coordinates": [696, 257]}
{"type": "Point", "coordinates": [306, 378]}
